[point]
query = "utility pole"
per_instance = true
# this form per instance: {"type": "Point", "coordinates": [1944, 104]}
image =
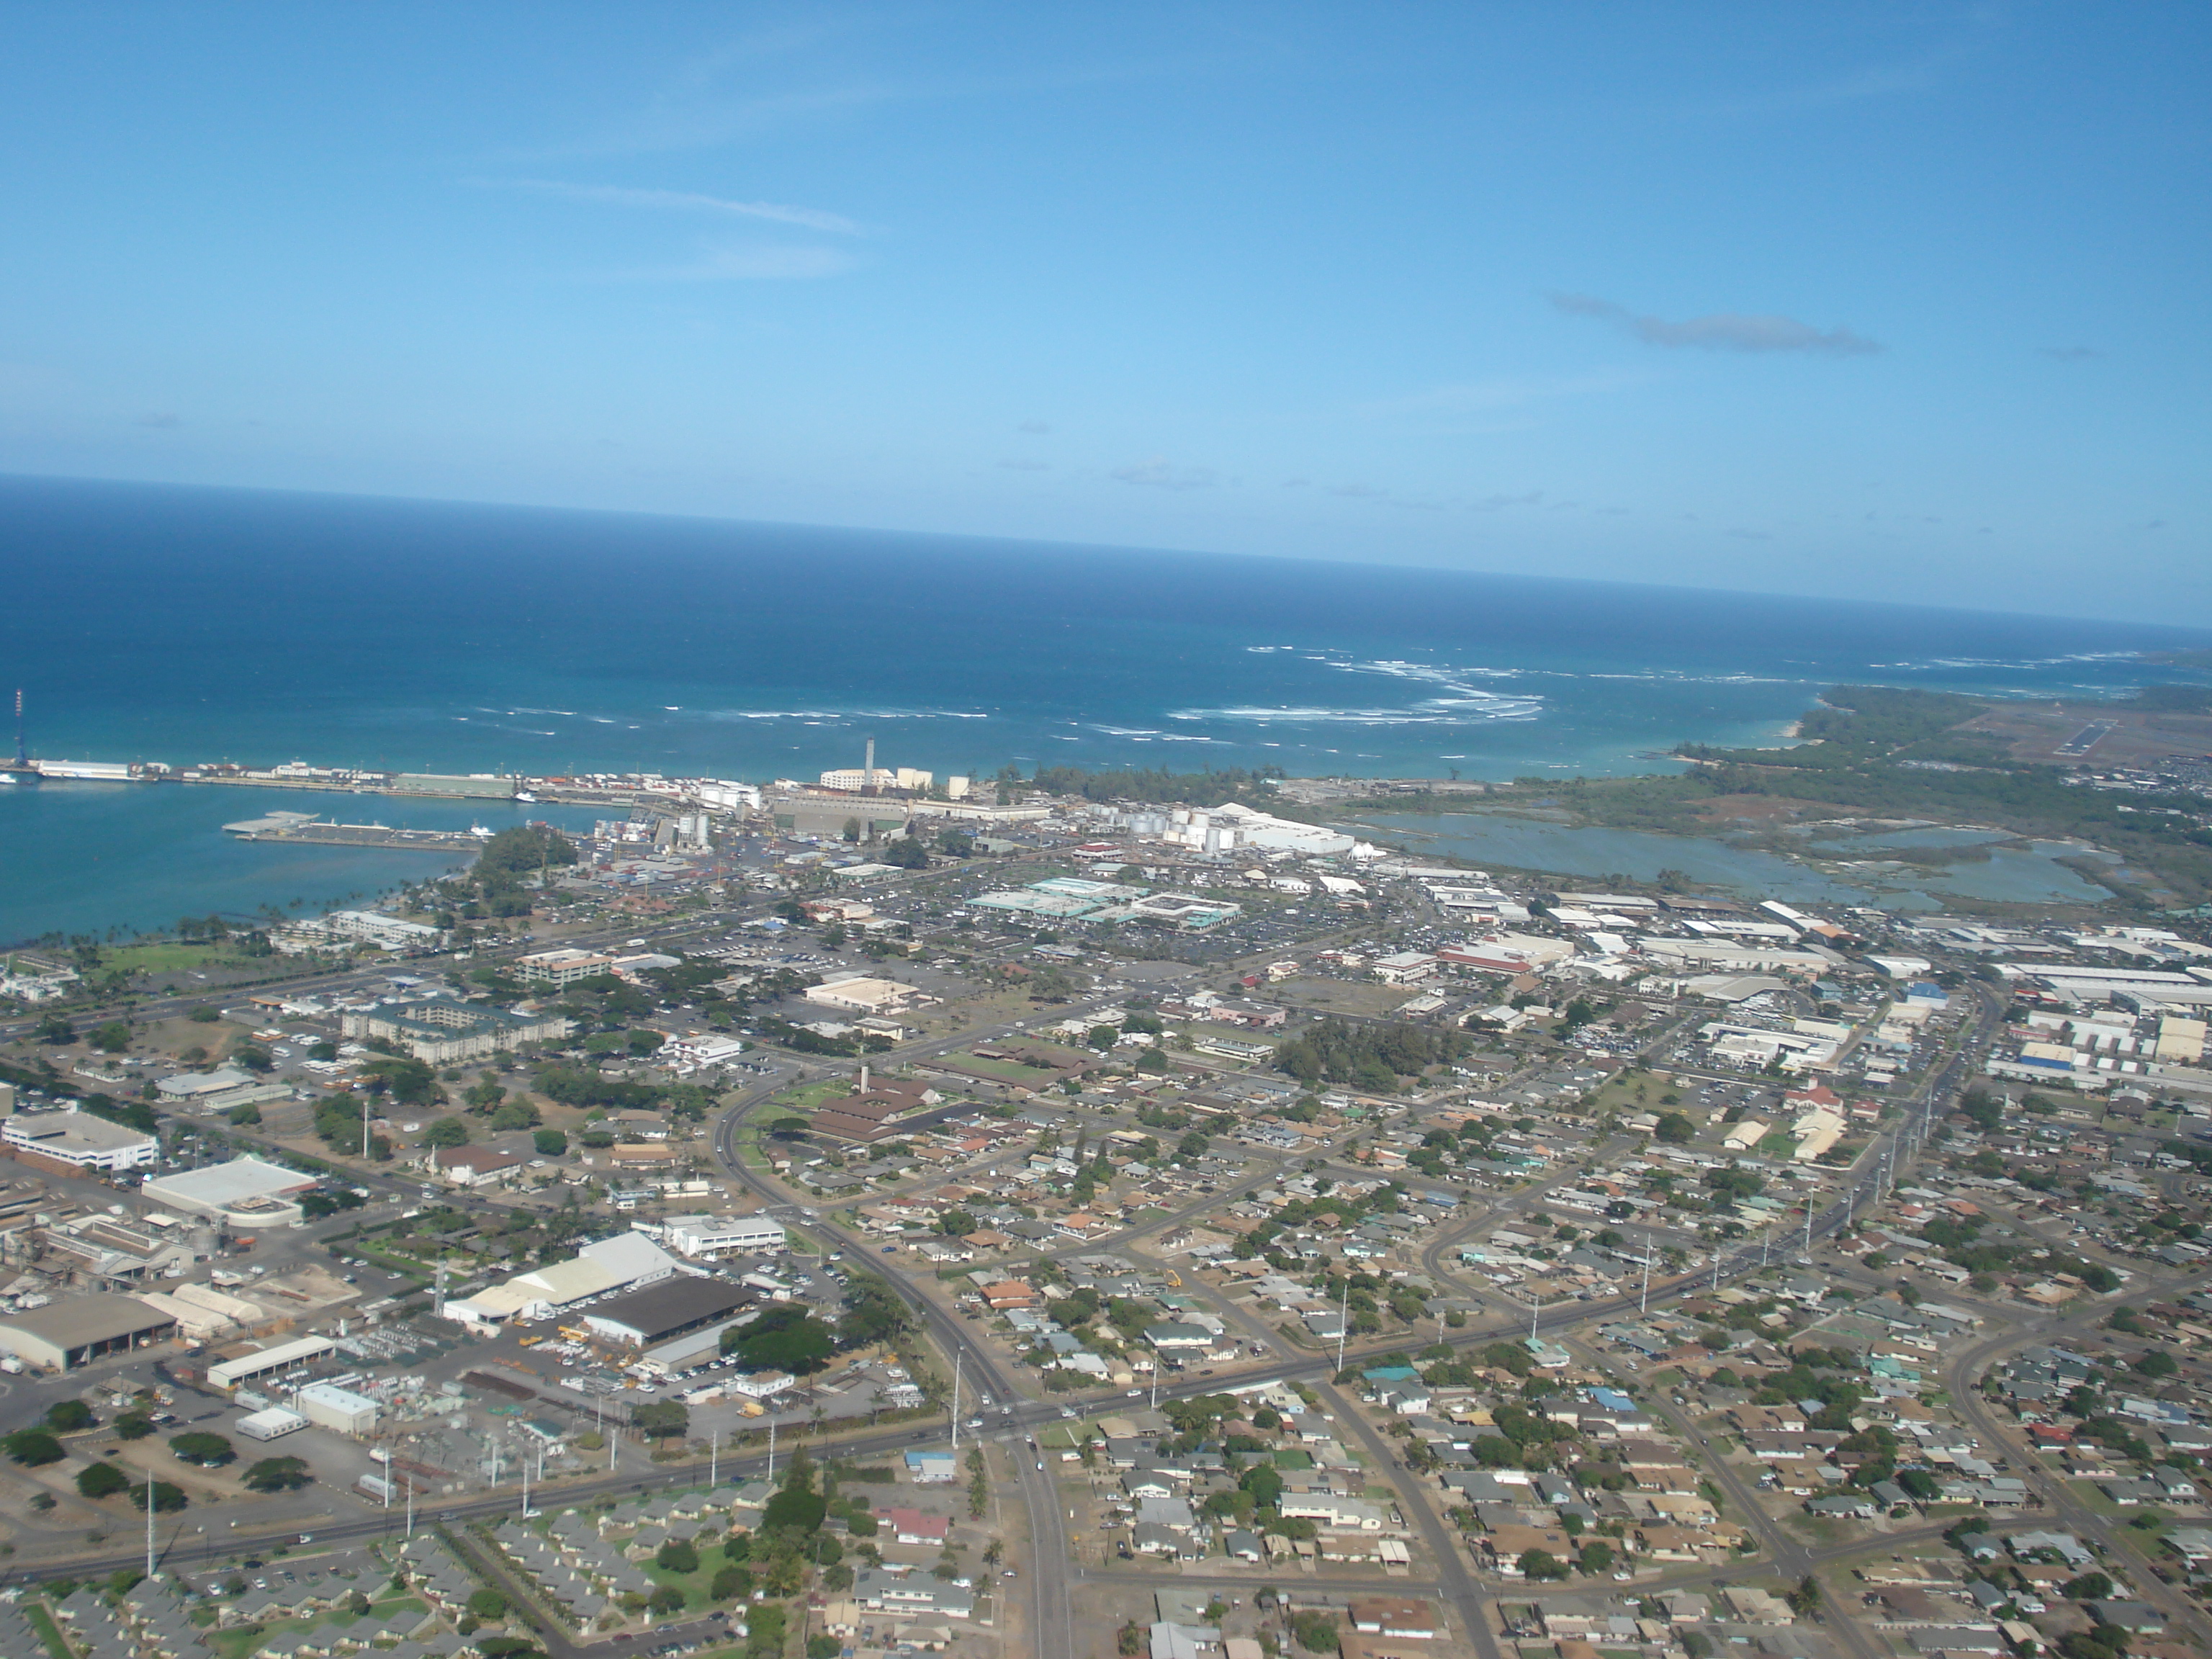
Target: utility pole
{"type": "Point", "coordinates": [525, 1483]}
{"type": "Point", "coordinates": [959, 1358]}
{"type": "Point", "coordinates": [771, 1451]}
{"type": "Point", "coordinates": [1644, 1302]}
{"type": "Point", "coordinates": [1536, 1304]}
{"type": "Point", "coordinates": [1344, 1321]}
{"type": "Point", "coordinates": [713, 1448]}
{"type": "Point", "coordinates": [149, 1525]}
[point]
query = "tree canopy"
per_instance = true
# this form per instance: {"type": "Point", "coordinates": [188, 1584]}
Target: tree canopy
{"type": "Point", "coordinates": [785, 1337]}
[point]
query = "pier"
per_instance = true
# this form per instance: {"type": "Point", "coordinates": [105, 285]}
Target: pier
{"type": "Point", "coordinates": [302, 829]}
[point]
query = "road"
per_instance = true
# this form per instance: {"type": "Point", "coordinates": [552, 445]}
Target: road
{"type": "Point", "coordinates": [1963, 1371]}
{"type": "Point", "coordinates": [1051, 1609]}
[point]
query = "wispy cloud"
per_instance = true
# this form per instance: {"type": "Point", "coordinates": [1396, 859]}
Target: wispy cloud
{"type": "Point", "coordinates": [679, 200]}
{"type": "Point", "coordinates": [162, 420]}
{"type": "Point", "coordinates": [1034, 428]}
{"type": "Point", "coordinates": [1724, 331]}
{"type": "Point", "coordinates": [1160, 474]}
{"type": "Point", "coordinates": [748, 263]}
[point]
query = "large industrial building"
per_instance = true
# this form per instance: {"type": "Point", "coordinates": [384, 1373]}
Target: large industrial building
{"type": "Point", "coordinates": [66, 1142]}
{"type": "Point", "coordinates": [664, 1311]}
{"type": "Point", "coordinates": [333, 1408]}
{"type": "Point", "coordinates": [79, 1329]}
{"type": "Point", "coordinates": [270, 1362]}
{"type": "Point", "coordinates": [245, 1192]}
{"type": "Point", "coordinates": [625, 1261]}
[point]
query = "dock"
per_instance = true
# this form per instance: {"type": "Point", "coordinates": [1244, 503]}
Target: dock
{"type": "Point", "coordinates": [302, 828]}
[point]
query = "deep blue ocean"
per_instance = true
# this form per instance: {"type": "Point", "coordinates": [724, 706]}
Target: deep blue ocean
{"type": "Point", "coordinates": [183, 625]}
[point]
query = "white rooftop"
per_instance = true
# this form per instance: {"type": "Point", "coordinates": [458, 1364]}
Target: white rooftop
{"type": "Point", "coordinates": [219, 1185]}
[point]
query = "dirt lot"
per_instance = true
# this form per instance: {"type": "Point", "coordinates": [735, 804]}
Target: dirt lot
{"type": "Point", "coordinates": [1334, 996]}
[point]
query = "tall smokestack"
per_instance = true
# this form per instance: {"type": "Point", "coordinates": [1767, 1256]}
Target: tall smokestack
{"type": "Point", "coordinates": [864, 1077]}
{"type": "Point", "coordinates": [868, 775]}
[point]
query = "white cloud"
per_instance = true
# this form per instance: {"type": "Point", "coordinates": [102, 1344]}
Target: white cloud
{"type": "Point", "coordinates": [1724, 331]}
{"type": "Point", "coordinates": [680, 201]}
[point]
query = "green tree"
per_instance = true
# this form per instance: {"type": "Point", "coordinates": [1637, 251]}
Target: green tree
{"type": "Point", "coordinates": [1675, 1129]}
{"type": "Point", "coordinates": [246, 1116]}
{"type": "Point", "coordinates": [515, 1115]}
{"type": "Point", "coordinates": [168, 1500]}
{"type": "Point", "coordinates": [276, 1475]}
{"type": "Point", "coordinates": [549, 1143]}
{"type": "Point", "coordinates": [102, 1480]}
{"type": "Point", "coordinates": [488, 1605]}
{"type": "Point", "coordinates": [32, 1447]}
{"type": "Point", "coordinates": [69, 1416]}
{"type": "Point", "coordinates": [795, 1509]}
{"type": "Point", "coordinates": [661, 1420]}
{"type": "Point", "coordinates": [785, 1337]}
{"type": "Point", "coordinates": [676, 1555]}
{"type": "Point", "coordinates": [209, 1451]}
{"type": "Point", "coordinates": [133, 1425]}
{"type": "Point", "coordinates": [447, 1131]}
{"type": "Point", "coordinates": [112, 1038]}
{"type": "Point", "coordinates": [2089, 1587]}
{"type": "Point", "coordinates": [1537, 1564]}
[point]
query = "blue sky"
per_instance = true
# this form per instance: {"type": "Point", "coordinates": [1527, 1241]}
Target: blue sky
{"type": "Point", "coordinates": [1903, 302]}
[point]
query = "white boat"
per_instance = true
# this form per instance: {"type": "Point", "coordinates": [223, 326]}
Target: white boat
{"type": "Point", "coordinates": [524, 795]}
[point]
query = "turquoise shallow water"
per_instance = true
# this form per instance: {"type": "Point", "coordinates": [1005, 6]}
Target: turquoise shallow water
{"type": "Point", "coordinates": [85, 857]}
{"type": "Point", "coordinates": [184, 625]}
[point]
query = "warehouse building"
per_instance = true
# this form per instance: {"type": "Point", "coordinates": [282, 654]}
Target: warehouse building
{"type": "Point", "coordinates": [245, 1192]}
{"type": "Point", "coordinates": [65, 1143]}
{"type": "Point", "coordinates": [65, 1334]}
{"type": "Point", "coordinates": [332, 1407]}
{"type": "Point", "coordinates": [271, 1425]}
{"type": "Point", "coordinates": [666, 1311]}
{"type": "Point", "coordinates": [269, 1362]}
{"type": "Point", "coordinates": [626, 1261]}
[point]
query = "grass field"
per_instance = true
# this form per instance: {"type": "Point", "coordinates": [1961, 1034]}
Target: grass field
{"type": "Point", "coordinates": [1008, 1071]}
{"type": "Point", "coordinates": [804, 1098]}
{"type": "Point", "coordinates": [49, 1632]}
{"type": "Point", "coordinates": [163, 958]}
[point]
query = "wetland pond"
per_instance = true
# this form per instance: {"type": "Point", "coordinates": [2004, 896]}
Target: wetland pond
{"type": "Point", "coordinates": [2016, 872]}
